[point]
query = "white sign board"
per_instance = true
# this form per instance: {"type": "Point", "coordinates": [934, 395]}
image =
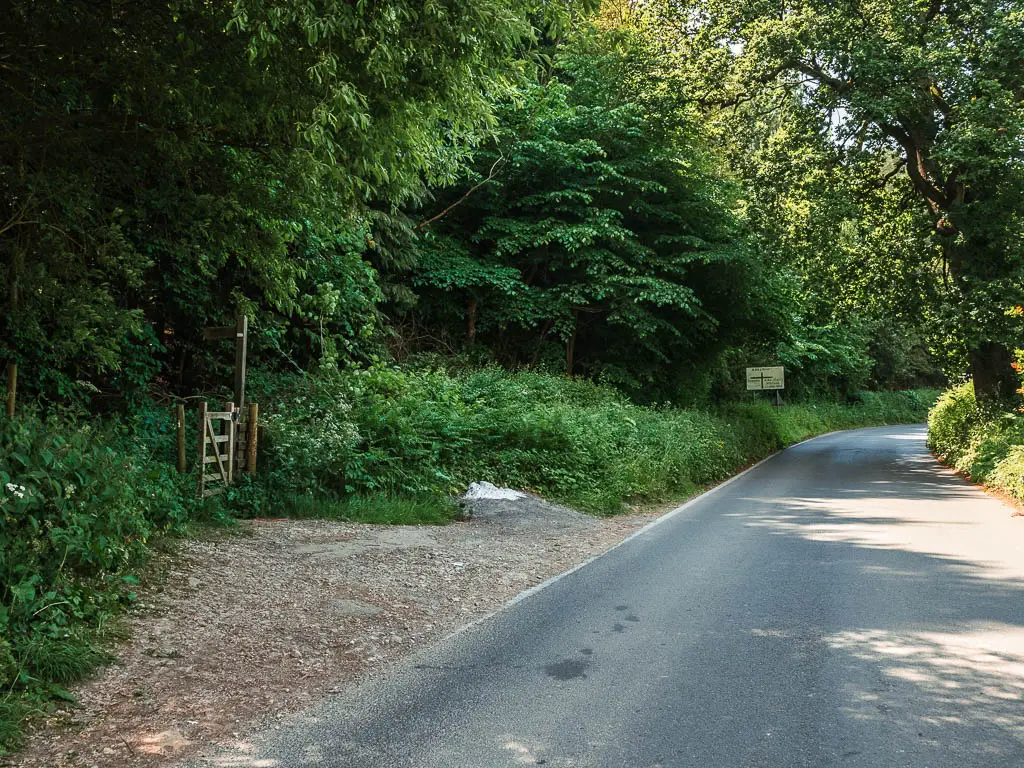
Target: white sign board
{"type": "Point", "coordinates": [773, 377]}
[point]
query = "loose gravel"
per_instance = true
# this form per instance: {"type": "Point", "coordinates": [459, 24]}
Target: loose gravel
{"type": "Point", "coordinates": [252, 628]}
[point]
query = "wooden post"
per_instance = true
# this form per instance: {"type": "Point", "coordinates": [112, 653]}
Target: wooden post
{"type": "Point", "coordinates": [251, 432]}
{"type": "Point", "coordinates": [12, 388]}
{"type": "Point", "coordinates": [180, 414]}
{"type": "Point", "coordinates": [240, 333]}
{"type": "Point", "coordinates": [202, 447]}
{"type": "Point", "coordinates": [241, 342]}
{"type": "Point", "coordinates": [12, 365]}
{"type": "Point", "coordinates": [231, 443]}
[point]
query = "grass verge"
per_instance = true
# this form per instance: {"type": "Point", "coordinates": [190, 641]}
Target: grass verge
{"type": "Point", "coordinates": [396, 434]}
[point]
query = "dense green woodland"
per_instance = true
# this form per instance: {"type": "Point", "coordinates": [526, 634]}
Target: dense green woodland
{"type": "Point", "coordinates": [530, 242]}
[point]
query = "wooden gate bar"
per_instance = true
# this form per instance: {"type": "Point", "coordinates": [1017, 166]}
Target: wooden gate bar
{"type": "Point", "coordinates": [213, 440]}
{"type": "Point", "coordinates": [233, 451]}
{"type": "Point", "coordinates": [222, 458]}
{"type": "Point", "coordinates": [241, 345]}
{"type": "Point", "coordinates": [231, 442]}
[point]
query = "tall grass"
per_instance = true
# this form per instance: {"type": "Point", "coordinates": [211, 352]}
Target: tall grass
{"type": "Point", "coordinates": [403, 433]}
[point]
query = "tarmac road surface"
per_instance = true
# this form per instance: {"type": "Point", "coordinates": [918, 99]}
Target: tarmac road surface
{"type": "Point", "coordinates": [846, 603]}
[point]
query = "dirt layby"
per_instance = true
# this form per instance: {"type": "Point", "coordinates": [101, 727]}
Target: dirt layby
{"type": "Point", "coordinates": [246, 630]}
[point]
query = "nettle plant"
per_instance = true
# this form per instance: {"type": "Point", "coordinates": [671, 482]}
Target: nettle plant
{"type": "Point", "coordinates": [75, 517]}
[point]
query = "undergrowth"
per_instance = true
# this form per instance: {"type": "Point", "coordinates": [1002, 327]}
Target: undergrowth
{"type": "Point", "coordinates": [981, 440]}
{"type": "Point", "coordinates": [401, 434]}
{"type": "Point", "coordinates": [79, 506]}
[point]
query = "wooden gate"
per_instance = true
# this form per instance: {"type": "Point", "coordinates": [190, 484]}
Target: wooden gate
{"type": "Point", "coordinates": [216, 449]}
{"type": "Point", "coordinates": [227, 446]}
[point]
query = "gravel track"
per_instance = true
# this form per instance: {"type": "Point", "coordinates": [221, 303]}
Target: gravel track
{"type": "Point", "coordinates": [249, 629]}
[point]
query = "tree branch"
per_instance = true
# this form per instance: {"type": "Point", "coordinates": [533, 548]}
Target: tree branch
{"type": "Point", "coordinates": [916, 166]}
{"type": "Point", "coordinates": [490, 177]}
{"type": "Point", "coordinates": [819, 74]}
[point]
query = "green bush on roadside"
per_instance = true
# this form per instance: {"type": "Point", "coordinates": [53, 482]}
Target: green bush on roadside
{"type": "Point", "coordinates": [404, 433]}
{"type": "Point", "coordinates": [76, 516]}
{"type": "Point", "coordinates": [983, 441]}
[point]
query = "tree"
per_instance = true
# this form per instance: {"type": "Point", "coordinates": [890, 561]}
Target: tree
{"type": "Point", "coordinates": [597, 224]}
{"type": "Point", "coordinates": [940, 82]}
{"type": "Point", "coordinates": [857, 248]}
{"type": "Point", "coordinates": [165, 164]}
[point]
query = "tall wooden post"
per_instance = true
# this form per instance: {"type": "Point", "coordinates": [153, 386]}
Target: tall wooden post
{"type": "Point", "coordinates": [251, 434]}
{"type": "Point", "coordinates": [180, 416]}
{"type": "Point", "coordinates": [202, 447]}
{"type": "Point", "coordinates": [240, 333]}
{"type": "Point", "coordinates": [241, 342]}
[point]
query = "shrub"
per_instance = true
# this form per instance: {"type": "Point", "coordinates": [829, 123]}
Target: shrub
{"type": "Point", "coordinates": [954, 424]}
{"type": "Point", "coordinates": [1009, 472]}
{"type": "Point", "coordinates": [982, 441]}
{"type": "Point", "coordinates": [75, 518]}
{"type": "Point", "coordinates": [402, 433]}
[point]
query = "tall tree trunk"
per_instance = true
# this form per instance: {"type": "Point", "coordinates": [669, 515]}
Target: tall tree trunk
{"type": "Point", "coordinates": [471, 321]}
{"type": "Point", "coordinates": [972, 263]}
{"type": "Point", "coordinates": [993, 373]}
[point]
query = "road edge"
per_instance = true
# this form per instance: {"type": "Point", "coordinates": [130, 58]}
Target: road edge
{"type": "Point", "coordinates": [654, 523]}
{"type": "Point", "coordinates": [641, 532]}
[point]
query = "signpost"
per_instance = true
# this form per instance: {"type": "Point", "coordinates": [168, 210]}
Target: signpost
{"type": "Point", "coordinates": [769, 377]}
{"type": "Point", "coordinates": [240, 333]}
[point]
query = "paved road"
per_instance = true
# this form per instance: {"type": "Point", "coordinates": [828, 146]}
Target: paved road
{"type": "Point", "coordinates": [846, 603]}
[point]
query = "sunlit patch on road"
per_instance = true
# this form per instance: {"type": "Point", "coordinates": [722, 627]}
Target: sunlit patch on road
{"type": "Point", "coordinates": [927, 680]}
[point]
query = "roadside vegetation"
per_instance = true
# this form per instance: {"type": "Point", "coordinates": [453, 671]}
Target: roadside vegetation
{"type": "Point", "coordinates": [982, 440]}
{"type": "Point", "coordinates": [80, 508]}
{"type": "Point", "coordinates": [424, 434]}
{"type": "Point", "coordinates": [523, 241]}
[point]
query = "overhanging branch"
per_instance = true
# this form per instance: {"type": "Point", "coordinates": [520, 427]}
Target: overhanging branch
{"type": "Point", "coordinates": [490, 177]}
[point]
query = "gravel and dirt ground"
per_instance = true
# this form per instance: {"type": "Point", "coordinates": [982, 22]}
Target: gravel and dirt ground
{"type": "Point", "coordinates": [250, 628]}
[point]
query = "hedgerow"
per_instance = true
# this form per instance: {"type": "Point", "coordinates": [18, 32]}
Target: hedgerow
{"type": "Point", "coordinates": [982, 440]}
{"type": "Point", "coordinates": [404, 433]}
